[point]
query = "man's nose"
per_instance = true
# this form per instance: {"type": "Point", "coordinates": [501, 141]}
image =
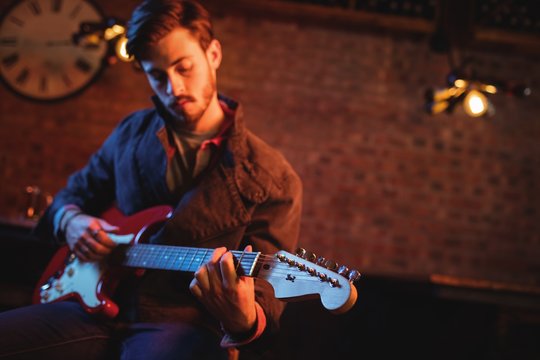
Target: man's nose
{"type": "Point", "coordinates": [175, 85]}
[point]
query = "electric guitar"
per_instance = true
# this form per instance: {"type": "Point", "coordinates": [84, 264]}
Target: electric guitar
{"type": "Point", "coordinates": [292, 277]}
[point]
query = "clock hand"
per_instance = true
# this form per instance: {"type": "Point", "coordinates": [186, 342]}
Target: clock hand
{"type": "Point", "coordinates": [59, 43]}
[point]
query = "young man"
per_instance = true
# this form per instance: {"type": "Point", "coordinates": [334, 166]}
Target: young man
{"type": "Point", "coordinates": [229, 189]}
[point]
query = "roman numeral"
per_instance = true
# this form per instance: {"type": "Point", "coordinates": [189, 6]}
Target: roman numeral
{"type": "Point", "coordinates": [35, 8]}
{"type": "Point", "coordinates": [23, 76]}
{"type": "Point", "coordinates": [75, 11]}
{"type": "Point", "coordinates": [43, 84]}
{"type": "Point", "coordinates": [8, 41]}
{"type": "Point", "coordinates": [83, 65]}
{"type": "Point", "coordinates": [56, 5]}
{"type": "Point", "coordinates": [67, 80]}
{"type": "Point", "coordinates": [10, 60]}
{"type": "Point", "coordinates": [16, 21]}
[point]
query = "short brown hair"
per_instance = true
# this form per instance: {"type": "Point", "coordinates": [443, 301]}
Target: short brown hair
{"type": "Point", "coordinates": [154, 19]}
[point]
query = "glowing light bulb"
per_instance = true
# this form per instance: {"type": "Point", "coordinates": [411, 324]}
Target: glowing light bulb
{"type": "Point", "coordinates": [460, 83]}
{"type": "Point", "coordinates": [490, 89]}
{"type": "Point", "coordinates": [121, 50]}
{"type": "Point", "coordinates": [475, 103]}
{"type": "Point", "coordinates": [113, 31]}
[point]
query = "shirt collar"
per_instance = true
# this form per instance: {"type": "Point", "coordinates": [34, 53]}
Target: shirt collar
{"type": "Point", "coordinates": [223, 132]}
{"type": "Point", "coordinates": [229, 107]}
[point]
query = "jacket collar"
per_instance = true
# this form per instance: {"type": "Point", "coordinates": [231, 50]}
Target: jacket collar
{"type": "Point", "coordinates": [237, 136]}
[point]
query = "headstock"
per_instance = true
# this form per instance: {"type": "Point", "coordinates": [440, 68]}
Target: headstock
{"type": "Point", "coordinates": [306, 275]}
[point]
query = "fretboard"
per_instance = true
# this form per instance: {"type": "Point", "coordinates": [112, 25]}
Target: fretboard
{"type": "Point", "coordinates": [179, 258]}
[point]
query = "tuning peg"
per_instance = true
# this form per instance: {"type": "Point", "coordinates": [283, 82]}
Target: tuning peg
{"type": "Point", "coordinates": [333, 282]}
{"type": "Point", "coordinates": [320, 260]}
{"type": "Point", "coordinates": [291, 262]}
{"type": "Point", "coordinates": [354, 275]}
{"type": "Point", "coordinates": [310, 256]}
{"type": "Point", "coordinates": [343, 271]}
{"type": "Point", "coordinates": [331, 265]}
{"type": "Point", "coordinates": [301, 252]}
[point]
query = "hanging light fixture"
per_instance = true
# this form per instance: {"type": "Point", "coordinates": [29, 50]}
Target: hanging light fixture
{"type": "Point", "coordinates": [471, 93]}
{"type": "Point", "coordinates": [113, 31]}
{"type": "Point", "coordinates": [116, 35]}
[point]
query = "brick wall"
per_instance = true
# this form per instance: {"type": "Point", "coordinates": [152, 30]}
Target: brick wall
{"type": "Point", "coordinates": [388, 189]}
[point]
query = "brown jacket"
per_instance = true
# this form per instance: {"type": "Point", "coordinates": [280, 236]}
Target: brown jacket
{"type": "Point", "coordinates": [248, 195]}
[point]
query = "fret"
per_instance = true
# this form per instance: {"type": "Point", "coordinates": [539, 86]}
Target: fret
{"type": "Point", "coordinates": [180, 258]}
{"type": "Point", "coordinates": [240, 262]}
{"type": "Point", "coordinates": [175, 255]}
{"type": "Point", "coordinates": [156, 258]}
{"type": "Point", "coordinates": [188, 268]}
{"type": "Point", "coordinates": [196, 260]}
{"type": "Point", "coordinates": [190, 258]}
{"type": "Point", "coordinates": [168, 258]}
{"type": "Point", "coordinates": [246, 261]}
{"type": "Point", "coordinates": [132, 256]}
{"type": "Point", "coordinates": [148, 257]}
{"type": "Point", "coordinates": [161, 258]}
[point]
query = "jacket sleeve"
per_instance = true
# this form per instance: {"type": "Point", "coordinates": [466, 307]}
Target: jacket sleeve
{"type": "Point", "coordinates": [92, 189]}
{"type": "Point", "coordinates": [275, 226]}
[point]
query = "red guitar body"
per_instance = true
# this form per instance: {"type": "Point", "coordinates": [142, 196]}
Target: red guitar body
{"type": "Point", "coordinates": [101, 278]}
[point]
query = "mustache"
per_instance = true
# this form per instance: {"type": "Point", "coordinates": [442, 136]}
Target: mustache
{"type": "Point", "coordinates": [179, 99]}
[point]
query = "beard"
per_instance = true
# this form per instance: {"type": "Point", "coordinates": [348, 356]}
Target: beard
{"type": "Point", "coordinates": [190, 115]}
{"type": "Point", "coordinates": [200, 108]}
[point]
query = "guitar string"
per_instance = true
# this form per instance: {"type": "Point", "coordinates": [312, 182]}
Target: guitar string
{"type": "Point", "coordinates": [195, 256]}
{"type": "Point", "coordinates": [164, 248]}
{"type": "Point", "coordinates": [194, 252]}
{"type": "Point", "coordinates": [278, 270]}
{"type": "Point", "coordinates": [166, 254]}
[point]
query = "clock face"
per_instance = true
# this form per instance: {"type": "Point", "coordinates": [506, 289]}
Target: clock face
{"type": "Point", "coordinates": [39, 58]}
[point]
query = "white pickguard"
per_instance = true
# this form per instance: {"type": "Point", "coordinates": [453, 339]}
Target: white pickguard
{"type": "Point", "coordinates": [80, 277]}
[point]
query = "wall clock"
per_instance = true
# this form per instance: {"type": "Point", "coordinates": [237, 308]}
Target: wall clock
{"type": "Point", "coordinates": [40, 56]}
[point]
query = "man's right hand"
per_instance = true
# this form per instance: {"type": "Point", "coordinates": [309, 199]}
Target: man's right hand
{"type": "Point", "coordinates": [88, 238]}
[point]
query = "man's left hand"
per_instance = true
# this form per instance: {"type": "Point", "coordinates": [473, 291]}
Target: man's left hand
{"type": "Point", "coordinates": [229, 297]}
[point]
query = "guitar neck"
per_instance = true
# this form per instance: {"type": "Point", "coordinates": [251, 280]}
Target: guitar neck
{"type": "Point", "coordinates": [165, 257]}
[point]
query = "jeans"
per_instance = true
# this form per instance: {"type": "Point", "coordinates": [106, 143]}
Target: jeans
{"type": "Point", "coordinates": [63, 330]}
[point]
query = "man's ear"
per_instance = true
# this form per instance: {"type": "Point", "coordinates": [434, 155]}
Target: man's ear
{"type": "Point", "coordinates": [213, 54]}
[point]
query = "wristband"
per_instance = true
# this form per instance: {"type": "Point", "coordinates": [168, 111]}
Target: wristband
{"type": "Point", "coordinates": [71, 216]}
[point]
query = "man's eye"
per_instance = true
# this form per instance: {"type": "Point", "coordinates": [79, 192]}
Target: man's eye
{"type": "Point", "coordinates": [184, 68]}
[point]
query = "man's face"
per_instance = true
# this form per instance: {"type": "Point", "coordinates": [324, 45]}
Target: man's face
{"type": "Point", "coordinates": [183, 75]}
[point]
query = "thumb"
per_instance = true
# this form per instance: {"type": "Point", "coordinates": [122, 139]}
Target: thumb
{"type": "Point", "coordinates": [248, 248]}
{"type": "Point", "coordinates": [108, 227]}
